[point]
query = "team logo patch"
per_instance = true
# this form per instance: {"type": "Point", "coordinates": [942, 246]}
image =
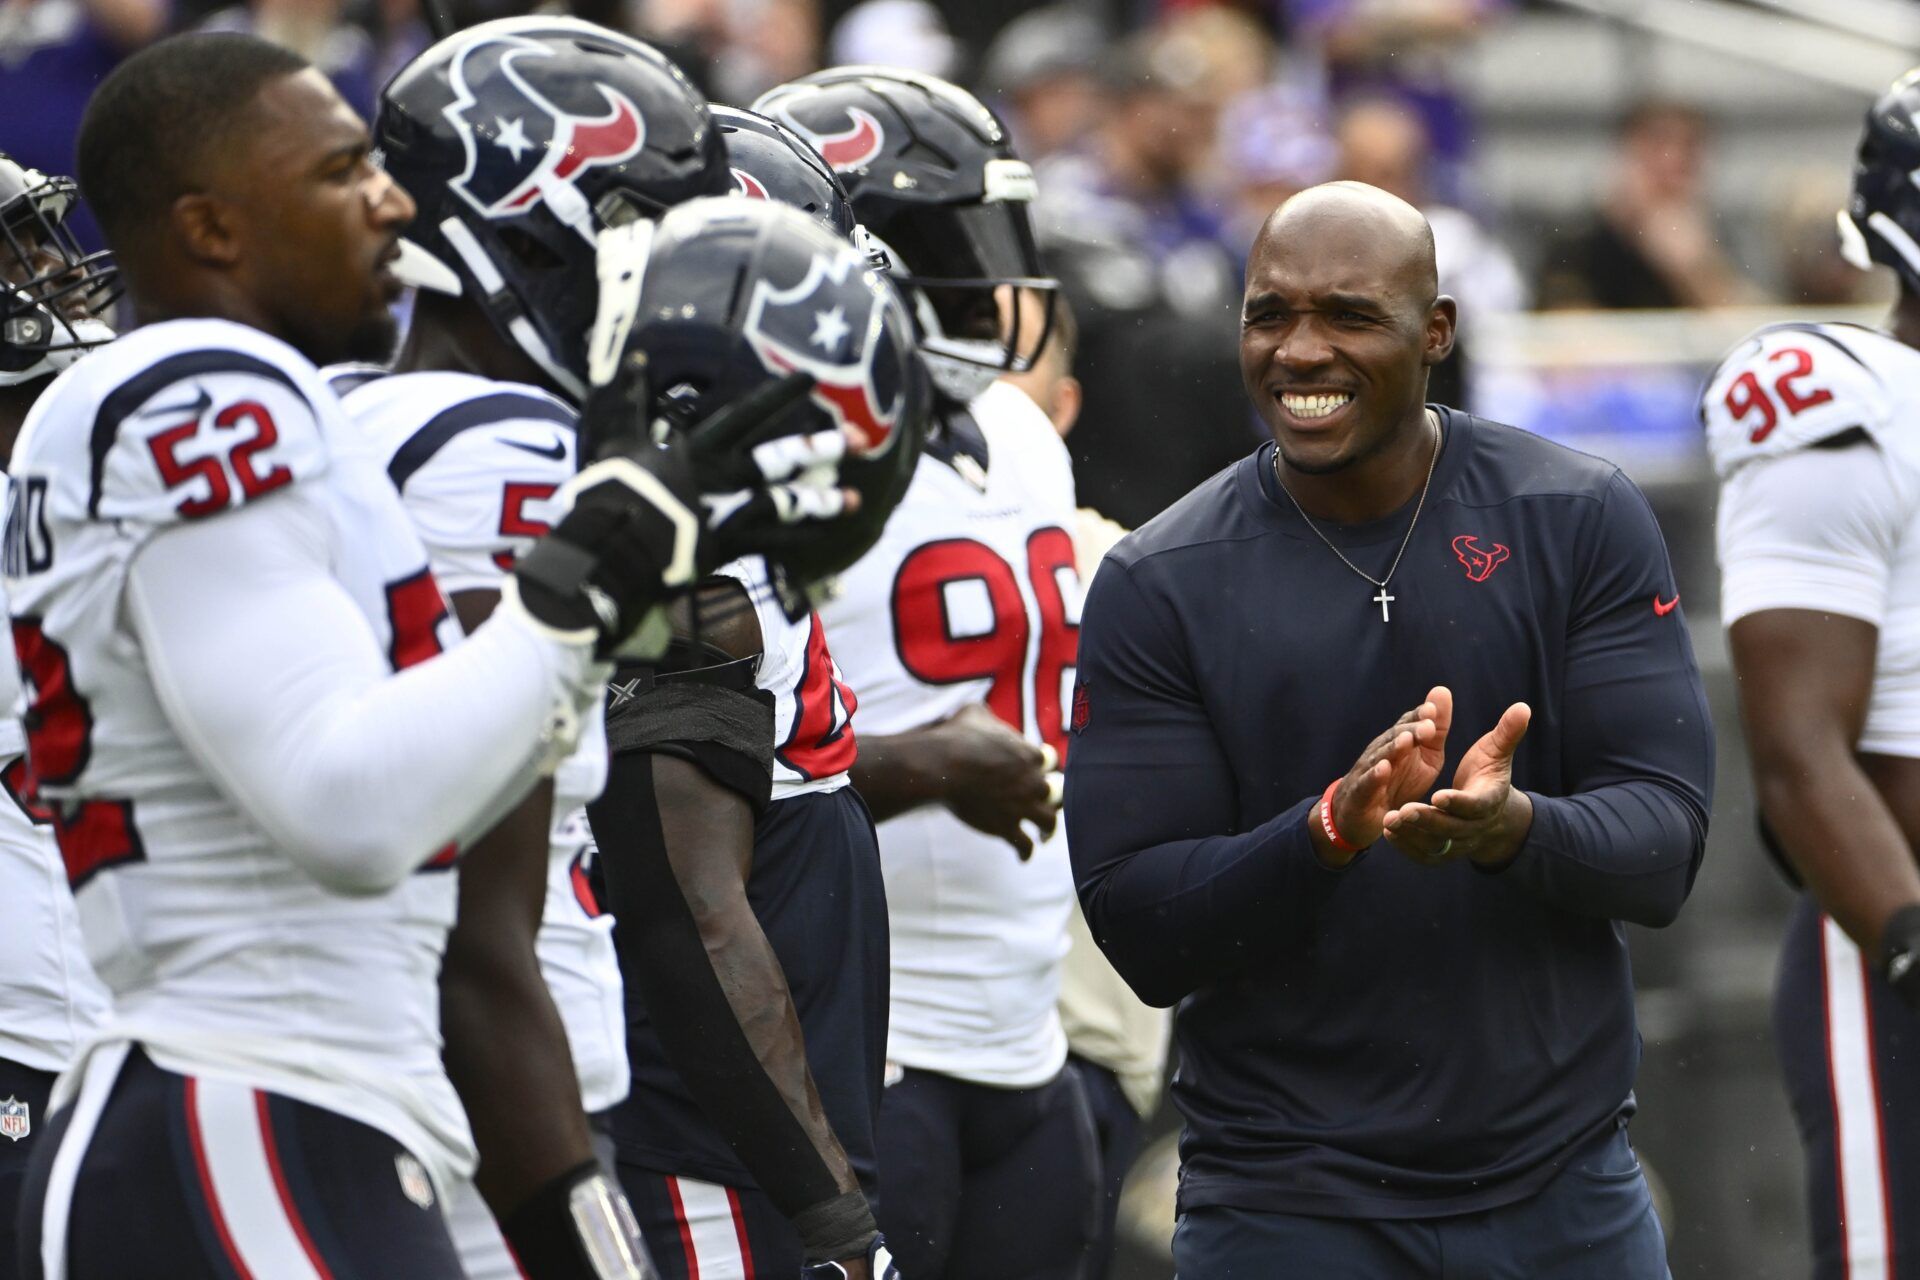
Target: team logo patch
{"type": "Point", "coordinates": [522, 147]}
{"type": "Point", "coordinates": [415, 1185]}
{"type": "Point", "coordinates": [1082, 709]}
{"type": "Point", "coordinates": [859, 372]}
{"type": "Point", "coordinates": [1479, 561]}
{"type": "Point", "coordinates": [16, 1119]}
{"type": "Point", "coordinates": [844, 150]}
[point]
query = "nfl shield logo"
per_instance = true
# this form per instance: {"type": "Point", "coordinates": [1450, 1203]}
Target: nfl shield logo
{"type": "Point", "coordinates": [16, 1121]}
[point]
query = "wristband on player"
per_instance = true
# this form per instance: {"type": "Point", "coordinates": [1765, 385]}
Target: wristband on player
{"type": "Point", "coordinates": [1334, 837]}
{"type": "Point", "coordinates": [578, 1227]}
{"type": "Point", "coordinates": [1900, 954]}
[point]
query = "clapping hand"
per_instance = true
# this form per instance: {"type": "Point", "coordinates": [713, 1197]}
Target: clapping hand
{"type": "Point", "coordinates": [1396, 767]}
{"type": "Point", "coordinates": [1482, 816]}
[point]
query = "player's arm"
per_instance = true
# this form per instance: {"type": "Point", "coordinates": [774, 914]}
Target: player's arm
{"type": "Point", "coordinates": [987, 773]}
{"type": "Point", "coordinates": [1807, 542]}
{"type": "Point", "coordinates": [1624, 835]}
{"type": "Point", "coordinates": [1174, 895]}
{"type": "Point", "coordinates": [690, 764]}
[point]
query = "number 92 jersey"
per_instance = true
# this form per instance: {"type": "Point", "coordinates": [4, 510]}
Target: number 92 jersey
{"type": "Point", "coordinates": [221, 953]}
{"type": "Point", "coordinates": [1815, 433]}
{"type": "Point", "coordinates": [971, 596]}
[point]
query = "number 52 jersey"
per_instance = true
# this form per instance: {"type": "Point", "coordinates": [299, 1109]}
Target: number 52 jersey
{"type": "Point", "coordinates": [971, 596]}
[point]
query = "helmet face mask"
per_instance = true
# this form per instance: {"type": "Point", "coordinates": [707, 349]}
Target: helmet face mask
{"type": "Point", "coordinates": [521, 140]}
{"type": "Point", "coordinates": [51, 291]}
{"type": "Point", "coordinates": [934, 179]}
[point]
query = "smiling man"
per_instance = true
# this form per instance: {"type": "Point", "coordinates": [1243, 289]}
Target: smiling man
{"type": "Point", "coordinates": [1406, 1019]}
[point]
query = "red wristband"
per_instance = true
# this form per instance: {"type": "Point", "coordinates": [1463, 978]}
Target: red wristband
{"type": "Point", "coordinates": [1334, 837]}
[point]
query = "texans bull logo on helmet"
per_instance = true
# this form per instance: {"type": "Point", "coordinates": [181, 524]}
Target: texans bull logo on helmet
{"type": "Point", "coordinates": [749, 186]}
{"type": "Point", "coordinates": [521, 146]}
{"type": "Point", "coordinates": [844, 150]}
{"type": "Point", "coordinates": [859, 372]}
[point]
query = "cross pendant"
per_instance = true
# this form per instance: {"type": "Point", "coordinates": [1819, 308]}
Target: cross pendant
{"type": "Point", "coordinates": [1382, 600]}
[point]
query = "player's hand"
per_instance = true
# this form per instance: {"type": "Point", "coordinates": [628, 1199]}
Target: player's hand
{"type": "Point", "coordinates": [997, 781]}
{"type": "Point", "coordinates": [660, 508]}
{"type": "Point", "coordinates": [876, 1265]}
{"type": "Point", "coordinates": [1482, 816]}
{"type": "Point", "coordinates": [1397, 766]}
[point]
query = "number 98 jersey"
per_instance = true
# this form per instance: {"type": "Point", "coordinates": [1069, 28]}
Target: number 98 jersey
{"type": "Point", "coordinates": [971, 596]}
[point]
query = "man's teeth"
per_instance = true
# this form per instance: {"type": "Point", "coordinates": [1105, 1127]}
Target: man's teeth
{"type": "Point", "coordinates": [1313, 406]}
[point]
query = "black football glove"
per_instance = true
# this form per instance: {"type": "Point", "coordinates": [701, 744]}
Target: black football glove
{"type": "Point", "coordinates": [659, 508]}
{"type": "Point", "coordinates": [1900, 954]}
{"type": "Point", "coordinates": [879, 1262]}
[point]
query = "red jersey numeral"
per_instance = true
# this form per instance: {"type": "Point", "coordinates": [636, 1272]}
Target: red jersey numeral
{"type": "Point", "coordinates": [92, 834]}
{"type": "Point", "coordinates": [207, 467]}
{"type": "Point", "coordinates": [821, 741]}
{"type": "Point", "coordinates": [514, 520]}
{"type": "Point", "coordinates": [929, 649]}
{"type": "Point", "coordinates": [1747, 397]}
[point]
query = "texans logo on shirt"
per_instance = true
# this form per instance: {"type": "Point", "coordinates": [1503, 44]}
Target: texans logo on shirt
{"type": "Point", "coordinates": [521, 146]}
{"type": "Point", "coordinates": [841, 338]}
{"type": "Point", "coordinates": [846, 149]}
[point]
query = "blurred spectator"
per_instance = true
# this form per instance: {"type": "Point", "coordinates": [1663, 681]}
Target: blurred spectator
{"type": "Point", "coordinates": [316, 30]}
{"type": "Point", "coordinates": [52, 54]}
{"type": "Point", "coordinates": [1278, 145]}
{"type": "Point", "coordinates": [1813, 274]}
{"type": "Point", "coordinates": [1409, 50]}
{"type": "Point", "coordinates": [1653, 242]}
{"type": "Point", "coordinates": [1227, 53]}
{"type": "Point", "coordinates": [734, 49]}
{"type": "Point", "coordinates": [1041, 74]}
{"type": "Point", "coordinates": [1383, 143]}
{"type": "Point", "coordinates": [909, 34]}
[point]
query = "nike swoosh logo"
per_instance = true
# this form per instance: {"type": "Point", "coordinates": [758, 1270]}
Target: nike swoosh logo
{"type": "Point", "coordinates": [1662, 610]}
{"type": "Point", "coordinates": [556, 450]}
{"type": "Point", "coordinates": [196, 407]}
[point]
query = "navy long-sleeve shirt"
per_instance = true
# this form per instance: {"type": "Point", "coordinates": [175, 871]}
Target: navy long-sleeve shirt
{"type": "Point", "coordinates": [1388, 1040]}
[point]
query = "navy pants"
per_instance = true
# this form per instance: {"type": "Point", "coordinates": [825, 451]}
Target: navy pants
{"type": "Point", "coordinates": [1850, 1053]}
{"type": "Point", "coordinates": [185, 1178]}
{"type": "Point", "coordinates": [977, 1181]}
{"type": "Point", "coordinates": [23, 1125]}
{"type": "Point", "coordinates": [1116, 1131]}
{"type": "Point", "coordinates": [706, 1231]}
{"type": "Point", "coordinates": [1594, 1221]}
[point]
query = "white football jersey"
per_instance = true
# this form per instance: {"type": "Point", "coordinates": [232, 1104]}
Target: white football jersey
{"type": "Point", "coordinates": [49, 999]}
{"type": "Point", "coordinates": [222, 956]}
{"type": "Point", "coordinates": [1815, 434]}
{"type": "Point", "coordinates": [971, 596]}
{"type": "Point", "coordinates": [812, 704]}
{"type": "Point", "coordinates": [476, 463]}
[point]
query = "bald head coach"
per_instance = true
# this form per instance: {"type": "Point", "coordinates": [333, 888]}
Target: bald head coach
{"type": "Point", "coordinates": [1380, 735]}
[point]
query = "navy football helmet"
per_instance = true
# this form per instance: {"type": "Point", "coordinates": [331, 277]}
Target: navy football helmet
{"type": "Point", "coordinates": [725, 296]}
{"type": "Point", "coordinates": [52, 293]}
{"type": "Point", "coordinates": [934, 179]}
{"type": "Point", "coordinates": [1881, 222]}
{"type": "Point", "coordinates": [521, 139]}
{"type": "Point", "coordinates": [772, 162]}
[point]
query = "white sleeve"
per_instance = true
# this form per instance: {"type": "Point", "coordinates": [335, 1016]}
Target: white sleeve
{"type": "Point", "coordinates": [1814, 529]}
{"type": "Point", "coordinates": [276, 683]}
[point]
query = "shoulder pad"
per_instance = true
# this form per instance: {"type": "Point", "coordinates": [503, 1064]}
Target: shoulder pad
{"type": "Point", "coordinates": [176, 429]}
{"type": "Point", "coordinates": [1788, 387]}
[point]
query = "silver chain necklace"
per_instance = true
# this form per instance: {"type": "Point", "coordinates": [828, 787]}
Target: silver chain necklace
{"type": "Point", "coordinates": [1382, 599]}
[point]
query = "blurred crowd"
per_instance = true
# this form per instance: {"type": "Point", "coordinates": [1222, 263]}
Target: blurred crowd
{"type": "Point", "coordinates": [1163, 131]}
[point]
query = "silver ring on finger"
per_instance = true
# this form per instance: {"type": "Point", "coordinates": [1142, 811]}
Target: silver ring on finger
{"type": "Point", "coordinates": [1440, 853]}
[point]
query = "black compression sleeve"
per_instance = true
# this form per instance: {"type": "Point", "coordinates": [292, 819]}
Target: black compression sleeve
{"type": "Point", "coordinates": [667, 960]}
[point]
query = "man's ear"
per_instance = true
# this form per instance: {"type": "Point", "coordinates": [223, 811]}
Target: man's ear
{"type": "Point", "coordinates": [1442, 317]}
{"type": "Point", "coordinates": [206, 228]}
{"type": "Point", "coordinates": [1068, 397]}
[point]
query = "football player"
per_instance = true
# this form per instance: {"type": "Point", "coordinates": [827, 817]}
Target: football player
{"type": "Point", "coordinates": [962, 626]}
{"type": "Point", "coordinates": [261, 767]}
{"type": "Point", "coordinates": [1815, 435]}
{"type": "Point", "coordinates": [484, 387]}
{"type": "Point", "coordinates": [476, 428]}
{"type": "Point", "coordinates": [50, 294]}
